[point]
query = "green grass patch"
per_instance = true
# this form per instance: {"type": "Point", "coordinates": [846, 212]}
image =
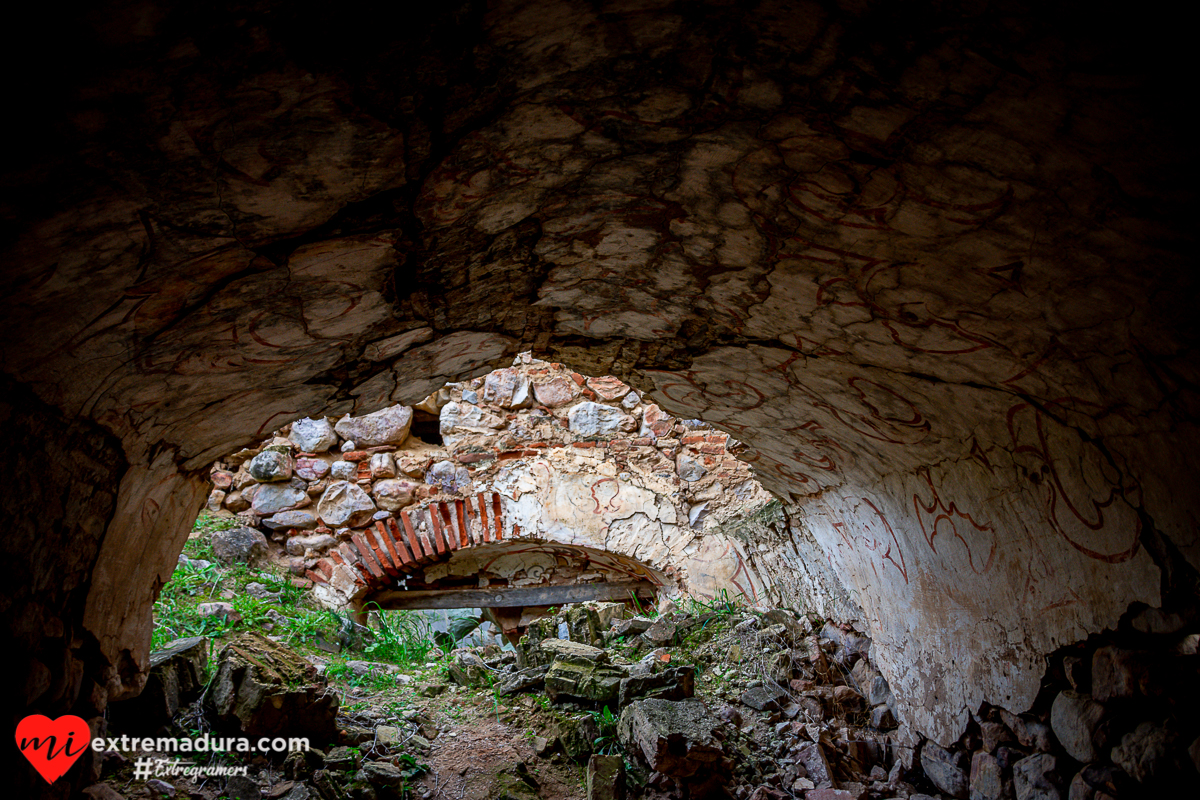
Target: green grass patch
{"type": "Point", "coordinates": [378, 681]}
{"type": "Point", "coordinates": [402, 637]}
{"type": "Point", "coordinates": [723, 604]}
{"type": "Point", "coordinates": [175, 611]}
{"type": "Point", "coordinates": [208, 522]}
{"type": "Point", "coordinates": [305, 625]}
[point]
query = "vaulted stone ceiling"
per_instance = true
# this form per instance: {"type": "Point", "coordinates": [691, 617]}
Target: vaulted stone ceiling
{"type": "Point", "coordinates": [932, 266]}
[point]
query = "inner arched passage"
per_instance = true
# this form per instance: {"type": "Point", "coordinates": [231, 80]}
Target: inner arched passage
{"type": "Point", "coordinates": [463, 553]}
{"type": "Point", "coordinates": [514, 581]}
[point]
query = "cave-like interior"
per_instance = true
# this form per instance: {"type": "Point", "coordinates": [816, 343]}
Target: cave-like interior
{"type": "Point", "coordinates": [929, 263]}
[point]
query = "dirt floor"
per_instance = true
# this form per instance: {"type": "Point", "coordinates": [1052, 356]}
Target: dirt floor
{"type": "Point", "coordinates": [466, 759]}
{"type": "Point", "coordinates": [473, 741]}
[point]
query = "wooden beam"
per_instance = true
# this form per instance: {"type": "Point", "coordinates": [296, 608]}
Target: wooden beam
{"type": "Point", "coordinates": [507, 597]}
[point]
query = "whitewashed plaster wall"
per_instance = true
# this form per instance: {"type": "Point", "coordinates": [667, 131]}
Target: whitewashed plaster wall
{"type": "Point", "coordinates": [975, 530]}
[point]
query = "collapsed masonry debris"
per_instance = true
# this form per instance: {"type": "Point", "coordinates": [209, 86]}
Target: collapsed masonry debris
{"type": "Point", "coordinates": [262, 688]}
{"type": "Point", "coordinates": [715, 700]}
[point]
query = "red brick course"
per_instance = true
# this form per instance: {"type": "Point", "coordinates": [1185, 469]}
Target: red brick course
{"type": "Point", "coordinates": [391, 548]}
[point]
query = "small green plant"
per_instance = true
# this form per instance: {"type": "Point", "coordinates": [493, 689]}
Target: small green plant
{"type": "Point", "coordinates": [252, 610]}
{"type": "Point", "coordinates": [409, 769]}
{"type": "Point", "coordinates": [723, 604]}
{"type": "Point", "coordinates": [396, 710]}
{"type": "Point", "coordinates": [338, 672]}
{"type": "Point", "coordinates": [373, 680]}
{"type": "Point", "coordinates": [287, 595]}
{"type": "Point", "coordinates": [494, 686]}
{"type": "Point", "coordinates": [606, 743]}
{"type": "Point", "coordinates": [199, 548]}
{"type": "Point", "coordinates": [642, 611]}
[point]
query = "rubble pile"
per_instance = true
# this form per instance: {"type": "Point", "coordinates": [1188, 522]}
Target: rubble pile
{"type": "Point", "coordinates": [1105, 725]}
{"type": "Point", "coordinates": [719, 700]}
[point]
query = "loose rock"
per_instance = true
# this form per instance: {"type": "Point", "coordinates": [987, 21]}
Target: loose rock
{"type": "Point", "coordinates": [674, 738]}
{"type": "Point", "coordinates": [812, 756]}
{"type": "Point", "coordinates": [468, 669]}
{"type": "Point", "coordinates": [1037, 778]}
{"type": "Point", "coordinates": [270, 465]}
{"type": "Point", "coordinates": [176, 677]}
{"type": "Point", "coordinates": [1147, 753]}
{"type": "Point", "coordinates": [345, 504]}
{"type": "Point", "coordinates": [389, 426]}
{"type": "Point", "coordinates": [241, 545]}
{"type": "Point", "coordinates": [764, 698]}
{"type": "Point", "coordinates": [676, 683]}
{"type": "Point", "coordinates": [581, 678]}
{"type": "Point", "coordinates": [313, 435]}
{"type": "Point", "coordinates": [947, 770]}
{"type": "Point", "coordinates": [605, 778]}
{"type": "Point", "coordinates": [160, 789]}
{"type": "Point", "coordinates": [263, 688]}
{"type": "Point", "coordinates": [987, 778]}
{"type": "Point", "coordinates": [1075, 719]}
{"type": "Point", "coordinates": [526, 679]}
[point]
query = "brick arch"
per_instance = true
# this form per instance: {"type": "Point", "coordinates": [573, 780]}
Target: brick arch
{"type": "Point", "coordinates": [375, 566]}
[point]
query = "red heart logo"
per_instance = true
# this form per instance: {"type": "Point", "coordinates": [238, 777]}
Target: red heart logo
{"type": "Point", "coordinates": [53, 745]}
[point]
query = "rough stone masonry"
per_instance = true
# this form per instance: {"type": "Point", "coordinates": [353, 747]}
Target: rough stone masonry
{"type": "Point", "coordinates": [568, 479]}
{"type": "Point", "coordinates": [932, 266]}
